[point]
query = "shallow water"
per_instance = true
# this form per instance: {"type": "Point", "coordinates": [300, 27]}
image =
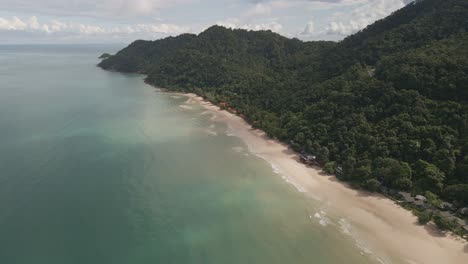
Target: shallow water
{"type": "Point", "coordinates": [97, 167]}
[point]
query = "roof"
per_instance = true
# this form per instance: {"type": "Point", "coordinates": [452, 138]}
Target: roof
{"type": "Point", "coordinates": [447, 206]}
{"type": "Point", "coordinates": [307, 157]}
{"type": "Point", "coordinates": [464, 211]}
{"type": "Point", "coordinates": [419, 202]}
{"type": "Point", "coordinates": [446, 214]}
{"type": "Point", "coordinates": [420, 197]}
{"type": "Point", "coordinates": [451, 217]}
{"type": "Point", "coordinates": [407, 196]}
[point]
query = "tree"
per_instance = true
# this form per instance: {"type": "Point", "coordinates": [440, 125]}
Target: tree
{"type": "Point", "coordinates": [362, 173]}
{"type": "Point", "coordinates": [322, 154]}
{"type": "Point", "coordinates": [329, 168]}
{"type": "Point", "coordinates": [372, 185]}
{"type": "Point", "coordinates": [445, 160]}
{"type": "Point", "coordinates": [433, 199]}
{"type": "Point", "coordinates": [424, 217]}
{"type": "Point", "coordinates": [392, 172]}
{"type": "Point", "coordinates": [458, 192]}
{"type": "Point", "coordinates": [443, 223]}
{"type": "Point", "coordinates": [348, 168]}
{"type": "Point", "coordinates": [429, 176]}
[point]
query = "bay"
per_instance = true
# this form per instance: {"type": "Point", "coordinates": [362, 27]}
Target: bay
{"type": "Point", "coordinates": [98, 167]}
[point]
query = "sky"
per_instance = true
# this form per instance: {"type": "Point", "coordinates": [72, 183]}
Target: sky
{"type": "Point", "coordinates": [122, 21]}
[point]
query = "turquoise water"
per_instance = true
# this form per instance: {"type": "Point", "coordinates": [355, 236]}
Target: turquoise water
{"type": "Point", "coordinates": [97, 167]}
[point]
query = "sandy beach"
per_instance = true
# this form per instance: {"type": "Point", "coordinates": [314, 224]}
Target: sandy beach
{"type": "Point", "coordinates": [377, 222]}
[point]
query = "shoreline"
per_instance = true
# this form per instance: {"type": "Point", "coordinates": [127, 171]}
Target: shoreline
{"type": "Point", "coordinates": [376, 219]}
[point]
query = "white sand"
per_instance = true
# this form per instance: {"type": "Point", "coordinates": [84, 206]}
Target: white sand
{"type": "Point", "coordinates": [389, 229]}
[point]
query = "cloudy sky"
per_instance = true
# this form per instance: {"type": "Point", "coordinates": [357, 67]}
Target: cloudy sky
{"type": "Point", "coordinates": [121, 21]}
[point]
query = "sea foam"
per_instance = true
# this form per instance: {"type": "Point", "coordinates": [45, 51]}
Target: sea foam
{"type": "Point", "coordinates": [322, 218]}
{"type": "Point", "coordinates": [186, 107]}
{"type": "Point", "coordinates": [347, 229]}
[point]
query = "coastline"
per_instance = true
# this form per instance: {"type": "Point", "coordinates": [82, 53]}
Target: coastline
{"type": "Point", "coordinates": [376, 220]}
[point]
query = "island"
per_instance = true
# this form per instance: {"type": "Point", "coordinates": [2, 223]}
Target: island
{"type": "Point", "coordinates": [104, 56]}
{"type": "Point", "coordinates": [385, 109]}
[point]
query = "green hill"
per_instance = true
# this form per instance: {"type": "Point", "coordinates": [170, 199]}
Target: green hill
{"type": "Point", "coordinates": [387, 104]}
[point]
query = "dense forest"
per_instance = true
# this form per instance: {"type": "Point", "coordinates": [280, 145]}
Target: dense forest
{"type": "Point", "coordinates": [387, 105]}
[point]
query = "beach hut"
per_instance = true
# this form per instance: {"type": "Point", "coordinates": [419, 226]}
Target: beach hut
{"type": "Point", "coordinates": [420, 198]}
{"type": "Point", "coordinates": [451, 217]}
{"type": "Point", "coordinates": [447, 206]}
{"type": "Point", "coordinates": [446, 214]}
{"type": "Point", "coordinates": [419, 203]}
{"type": "Point", "coordinates": [308, 158]}
{"type": "Point", "coordinates": [338, 171]}
{"type": "Point", "coordinates": [464, 211]}
{"type": "Point", "coordinates": [406, 197]}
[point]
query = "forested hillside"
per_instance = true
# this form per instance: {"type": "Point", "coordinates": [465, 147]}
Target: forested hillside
{"type": "Point", "coordinates": [389, 104]}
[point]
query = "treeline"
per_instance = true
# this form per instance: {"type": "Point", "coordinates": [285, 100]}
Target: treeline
{"type": "Point", "coordinates": [388, 105]}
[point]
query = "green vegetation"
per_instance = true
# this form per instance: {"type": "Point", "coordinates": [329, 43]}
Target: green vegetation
{"type": "Point", "coordinates": [433, 200]}
{"type": "Point", "coordinates": [387, 105]}
{"type": "Point", "coordinates": [105, 56]}
{"type": "Point", "coordinates": [329, 167]}
{"type": "Point", "coordinates": [424, 217]}
{"type": "Point", "coordinates": [443, 223]}
{"type": "Point", "coordinates": [458, 192]}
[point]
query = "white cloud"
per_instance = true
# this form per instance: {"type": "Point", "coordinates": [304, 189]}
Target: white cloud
{"type": "Point", "coordinates": [362, 16]}
{"type": "Point", "coordinates": [13, 24]}
{"type": "Point", "coordinates": [151, 28]}
{"type": "Point", "coordinates": [235, 23]}
{"type": "Point", "coordinates": [123, 20]}
{"type": "Point", "coordinates": [16, 24]}
{"type": "Point", "coordinates": [32, 24]}
{"type": "Point", "coordinates": [309, 29]}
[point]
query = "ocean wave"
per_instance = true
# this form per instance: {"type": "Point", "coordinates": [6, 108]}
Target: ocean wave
{"type": "Point", "coordinates": [230, 132]}
{"type": "Point", "coordinates": [347, 229]}
{"type": "Point", "coordinates": [211, 132]}
{"type": "Point", "coordinates": [238, 149]}
{"type": "Point", "coordinates": [187, 107]}
{"type": "Point", "coordinates": [322, 218]}
{"type": "Point", "coordinates": [275, 168]}
{"type": "Point", "coordinates": [298, 187]}
{"type": "Point", "coordinates": [345, 226]}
